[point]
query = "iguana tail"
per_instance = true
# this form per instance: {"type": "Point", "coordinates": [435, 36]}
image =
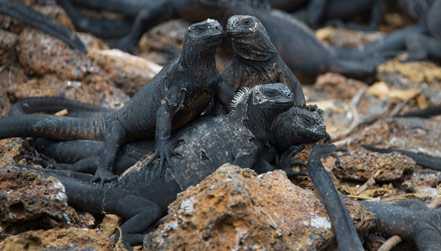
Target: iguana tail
{"type": "Point", "coordinates": [389, 46]}
{"type": "Point", "coordinates": [36, 19]}
{"type": "Point", "coordinates": [80, 192]}
{"type": "Point", "coordinates": [421, 159]}
{"type": "Point", "coordinates": [52, 127]}
{"type": "Point", "coordinates": [102, 28]}
{"type": "Point", "coordinates": [56, 104]}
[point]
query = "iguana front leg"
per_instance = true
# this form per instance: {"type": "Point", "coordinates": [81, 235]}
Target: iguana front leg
{"type": "Point", "coordinates": [316, 11]}
{"type": "Point", "coordinates": [139, 212]}
{"type": "Point", "coordinates": [286, 76]}
{"type": "Point", "coordinates": [170, 105]}
{"type": "Point", "coordinates": [114, 137]}
{"type": "Point", "coordinates": [225, 93]}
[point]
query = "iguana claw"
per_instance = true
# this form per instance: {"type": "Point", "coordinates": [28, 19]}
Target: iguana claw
{"type": "Point", "coordinates": [103, 176]}
{"type": "Point", "coordinates": [164, 150]}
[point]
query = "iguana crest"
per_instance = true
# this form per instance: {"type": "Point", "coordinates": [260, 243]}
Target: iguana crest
{"type": "Point", "coordinates": [240, 96]}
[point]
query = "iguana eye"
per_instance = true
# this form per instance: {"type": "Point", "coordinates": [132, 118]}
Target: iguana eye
{"type": "Point", "coordinates": [201, 28]}
{"type": "Point", "coordinates": [246, 22]}
{"type": "Point", "coordinates": [270, 93]}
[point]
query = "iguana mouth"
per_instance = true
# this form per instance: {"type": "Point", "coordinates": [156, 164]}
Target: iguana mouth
{"type": "Point", "coordinates": [215, 38]}
{"type": "Point", "coordinates": [285, 103]}
{"type": "Point", "coordinates": [237, 34]}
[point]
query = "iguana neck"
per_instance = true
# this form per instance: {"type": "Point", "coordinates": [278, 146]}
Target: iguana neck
{"type": "Point", "coordinates": [258, 121]}
{"type": "Point", "coordinates": [198, 59]}
{"type": "Point", "coordinates": [257, 49]}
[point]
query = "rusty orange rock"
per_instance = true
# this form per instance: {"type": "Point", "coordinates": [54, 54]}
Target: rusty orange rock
{"type": "Point", "coordinates": [58, 239]}
{"type": "Point", "coordinates": [237, 209]}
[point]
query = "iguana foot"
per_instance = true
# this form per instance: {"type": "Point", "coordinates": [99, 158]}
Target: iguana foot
{"type": "Point", "coordinates": [45, 163]}
{"type": "Point", "coordinates": [129, 239]}
{"type": "Point", "coordinates": [285, 162]}
{"type": "Point", "coordinates": [164, 150]}
{"type": "Point", "coordinates": [428, 231]}
{"type": "Point", "coordinates": [124, 44]}
{"type": "Point", "coordinates": [103, 176]}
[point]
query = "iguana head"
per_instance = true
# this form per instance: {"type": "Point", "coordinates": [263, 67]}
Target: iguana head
{"type": "Point", "coordinates": [297, 126]}
{"type": "Point", "coordinates": [260, 105]}
{"type": "Point", "coordinates": [249, 38]}
{"type": "Point", "coordinates": [205, 34]}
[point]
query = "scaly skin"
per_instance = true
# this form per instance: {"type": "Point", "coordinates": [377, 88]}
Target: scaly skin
{"type": "Point", "coordinates": [80, 156]}
{"type": "Point", "coordinates": [322, 12]}
{"type": "Point", "coordinates": [298, 126]}
{"type": "Point", "coordinates": [422, 40]}
{"type": "Point", "coordinates": [175, 96]}
{"type": "Point", "coordinates": [56, 104]}
{"type": "Point", "coordinates": [345, 233]}
{"type": "Point", "coordinates": [256, 60]}
{"type": "Point", "coordinates": [303, 127]}
{"type": "Point", "coordinates": [141, 196]}
{"type": "Point", "coordinates": [37, 20]}
{"type": "Point", "coordinates": [425, 113]}
{"type": "Point", "coordinates": [412, 220]}
{"type": "Point", "coordinates": [300, 49]}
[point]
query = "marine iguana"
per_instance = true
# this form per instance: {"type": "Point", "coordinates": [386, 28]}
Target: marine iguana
{"type": "Point", "coordinates": [421, 159]}
{"type": "Point", "coordinates": [142, 196]}
{"type": "Point", "coordinates": [56, 104]}
{"type": "Point", "coordinates": [175, 96]}
{"type": "Point", "coordinates": [256, 60]}
{"type": "Point", "coordinates": [411, 219]}
{"type": "Point", "coordinates": [304, 127]}
{"type": "Point", "coordinates": [345, 233]}
{"type": "Point", "coordinates": [425, 113]}
{"type": "Point", "coordinates": [37, 20]}
{"type": "Point", "coordinates": [304, 54]}
{"type": "Point", "coordinates": [422, 40]}
{"type": "Point", "coordinates": [319, 12]}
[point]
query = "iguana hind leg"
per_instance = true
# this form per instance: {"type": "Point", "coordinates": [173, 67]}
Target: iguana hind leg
{"type": "Point", "coordinates": [139, 212]}
{"type": "Point", "coordinates": [422, 47]}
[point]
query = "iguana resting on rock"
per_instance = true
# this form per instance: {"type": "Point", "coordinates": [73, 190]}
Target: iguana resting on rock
{"type": "Point", "coordinates": [256, 60]}
{"type": "Point", "coordinates": [421, 159]}
{"type": "Point", "coordinates": [56, 104]}
{"type": "Point", "coordinates": [427, 43]}
{"type": "Point", "coordinates": [37, 20]}
{"type": "Point", "coordinates": [324, 12]}
{"type": "Point", "coordinates": [410, 219]}
{"type": "Point", "coordinates": [422, 40]}
{"type": "Point", "coordinates": [142, 196]}
{"type": "Point", "coordinates": [303, 127]}
{"type": "Point", "coordinates": [297, 44]}
{"type": "Point", "coordinates": [345, 233]}
{"type": "Point", "coordinates": [175, 96]}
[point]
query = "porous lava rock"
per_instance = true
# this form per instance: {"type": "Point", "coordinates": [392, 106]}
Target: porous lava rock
{"type": "Point", "coordinates": [27, 201]}
{"type": "Point", "coordinates": [81, 239]}
{"type": "Point", "coordinates": [360, 165]}
{"type": "Point", "coordinates": [236, 209]}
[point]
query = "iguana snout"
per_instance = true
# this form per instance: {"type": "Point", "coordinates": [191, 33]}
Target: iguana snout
{"type": "Point", "coordinates": [209, 31]}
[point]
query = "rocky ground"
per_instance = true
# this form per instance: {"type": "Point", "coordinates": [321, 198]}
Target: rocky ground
{"type": "Point", "coordinates": [233, 208]}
